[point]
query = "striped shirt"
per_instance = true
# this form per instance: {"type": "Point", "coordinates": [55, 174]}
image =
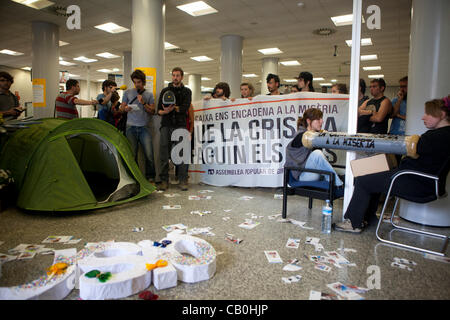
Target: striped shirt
{"type": "Point", "coordinates": [65, 107]}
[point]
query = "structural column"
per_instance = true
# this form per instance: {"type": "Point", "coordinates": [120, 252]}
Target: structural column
{"type": "Point", "coordinates": [269, 65]}
{"type": "Point", "coordinates": [45, 65]}
{"type": "Point", "coordinates": [195, 84]}
{"type": "Point", "coordinates": [148, 36]}
{"type": "Point", "coordinates": [127, 69]}
{"type": "Point", "coordinates": [428, 79]}
{"type": "Point", "coordinates": [231, 63]}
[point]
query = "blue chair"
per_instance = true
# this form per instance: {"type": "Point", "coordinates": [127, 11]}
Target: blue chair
{"type": "Point", "coordinates": [321, 189]}
{"type": "Point", "coordinates": [439, 182]}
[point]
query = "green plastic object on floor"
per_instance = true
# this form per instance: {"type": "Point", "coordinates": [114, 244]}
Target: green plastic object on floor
{"type": "Point", "coordinates": [72, 165]}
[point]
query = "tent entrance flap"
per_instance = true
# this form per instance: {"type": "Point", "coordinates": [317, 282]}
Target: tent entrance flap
{"type": "Point", "coordinates": [102, 167]}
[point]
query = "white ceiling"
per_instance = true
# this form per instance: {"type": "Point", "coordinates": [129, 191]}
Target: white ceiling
{"type": "Point", "coordinates": [262, 23]}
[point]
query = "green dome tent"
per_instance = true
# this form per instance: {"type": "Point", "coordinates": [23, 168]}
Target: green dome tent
{"type": "Point", "coordinates": [80, 164]}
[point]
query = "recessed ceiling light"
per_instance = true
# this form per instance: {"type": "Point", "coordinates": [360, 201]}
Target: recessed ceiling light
{"type": "Point", "coordinates": [35, 4]}
{"type": "Point", "coordinates": [84, 59]}
{"type": "Point", "coordinates": [270, 51]}
{"type": "Point", "coordinates": [290, 80]}
{"type": "Point", "coordinates": [11, 53]}
{"type": "Point", "coordinates": [66, 63]}
{"type": "Point", "coordinates": [73, 75]}
{"type": "Point", "coordinates": [104, 70]}
{"type": "Point", "coordinates": [344, 20]}
{"type": "Point", "coordinates": [169, 46]}
{"type": "Point", "coordinates": [369, 57]}
{"type": "Point", "coordinates": [318, 79]}
{"type": "Point", "coordinates": [111, 27]}
{"type": "Point", "coordinates": [207, 89]}
{"type": "Point", "coordinates": [115, 69]}
{"type": "Point", "coordinates": [198, 8]}
{"type": "Point", "coordinates": [327, 84]}
{"type": "Point", "coordinates": [333, 80]}
{"type": "Point", "coordinates": [107, 55]}
{"type": "Point", "coordinates": [201, 58]}
{"type": "Point", "coordinates": [372, 68]}
{"type": "Point", "coordinates": [290, 63]}
{"type": "Point", "coordinates": [249, 75]}
{"type": "Point", "coordinates": [205, 79]}
{"type": "Point", "coordinates": [376, 76]}
{"type": "Point", "coordinates": [26, 68]}
{"type": "Point", "coordinates": [364, 42]}
{"type": "Point", "coordinates": [62, 43]}
{"type": "Point", "coordinates": [101, 80]}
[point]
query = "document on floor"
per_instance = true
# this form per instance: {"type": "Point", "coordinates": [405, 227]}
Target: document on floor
{"type": "Point", "coordinates": [171, 195]}
{"type": "Point", "coordinates": [172, 227]}
{"type": "Point", "coordinates": [292, 279]}
{"type": "Point", "coordinates": [138, 229]}
{"type": "Point", "coordinates": [245, 198]}
{"type": "Point", "coordinates": [172, 207]}
{"type": "Point", "coordinates": [273, 256]}
{"type": "Point", "coordinates": [6, 258]}
{"type": "Point", "coordinates": [200, 197]}
{"type": "Point", "coordinates": [345, 291]}
{"type": "Point", "coordinates": [230, 237]}
{"type": "Point", "coordinates": [57, 239]}
{"type": "Point", "coordinates": [205, 191]}
{"type": "Point", "coordinates": [315, 242]}
{"type": "Point", "coordinates": [249, 224]}
{"type": "Point", "coordinates": [21, 248]}
{"type": "Point", "coordinates": [278, 196]}
{"type": "Point", "coordinates": [293, 265]}
{"type": "Point", "coordinates": [322, 267]}
{"type": "Point", "coordinates": [317, 295]}
{"type": "Point", "coordinates": [293, 243]}
{"type": "Point", "coordinates": [336, 256]}
{"type": "Point", "coordinates": [200, 213]}
{"type": "Point", "coordinates": [206, 231]}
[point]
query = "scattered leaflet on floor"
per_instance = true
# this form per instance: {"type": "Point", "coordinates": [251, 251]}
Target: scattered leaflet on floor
{"type": "Point", "coordinates": [273, 256]}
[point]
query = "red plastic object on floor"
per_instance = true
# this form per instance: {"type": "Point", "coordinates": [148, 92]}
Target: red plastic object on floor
{"type": "Point", "coordinates": [148, 295]}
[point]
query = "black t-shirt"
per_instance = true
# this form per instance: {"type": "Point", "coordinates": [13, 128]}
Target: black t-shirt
{"type": "Point", "coordinates": [367, 126]}
{"type": "Point", "coordinates": [433, 149]}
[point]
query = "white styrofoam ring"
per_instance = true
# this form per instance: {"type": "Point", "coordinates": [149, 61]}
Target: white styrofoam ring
{"type": "Point", "coordinates": [200, 265]}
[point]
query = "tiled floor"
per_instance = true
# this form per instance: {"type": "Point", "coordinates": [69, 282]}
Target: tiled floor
{"type": "Point", "coordinates": [243, 271]}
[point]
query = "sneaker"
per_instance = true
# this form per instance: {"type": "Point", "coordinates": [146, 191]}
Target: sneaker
{"type": "Point", "coordinates": [346, 226]}
{"type": "Point", "coordinates": [164, 185]}
{"type": "Point", "coordinates": [184, 186]}
{"type": "Point", "coordinates": [152, 181]}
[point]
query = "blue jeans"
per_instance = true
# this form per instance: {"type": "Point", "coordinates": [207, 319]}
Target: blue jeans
{"type": "Point", "coordinates": [317, 160]}
{"type": "Point", "coordinates": [143, 136]}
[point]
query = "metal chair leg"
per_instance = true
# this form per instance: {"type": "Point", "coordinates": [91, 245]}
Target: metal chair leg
{"type": "Point", "coordinates": [400, 228]}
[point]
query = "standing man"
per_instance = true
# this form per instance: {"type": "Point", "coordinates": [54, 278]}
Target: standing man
{"type": "Point", "coordinates": [374, 113]}
{"type": "Point", "coordinates": [173, 117]}
{"type": "Point", "coordinates": [104, 105]}
{"type": "Point", "coordinates": [9, 103]}
{"type": "Point", "coordinates": [398, 123]}
{"type": "Point", "coordinates": [305, 81]}
{"type": "Point", "coordinates": [66, 102]}
{"type": "Point", "coordinates": [140, 105]}
{"type": "Point", "coordinates": [273, 84]}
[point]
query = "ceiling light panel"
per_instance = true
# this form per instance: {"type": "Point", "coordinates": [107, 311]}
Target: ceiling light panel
{"type": "Point", "coordinates": [11, 52]}
{"type": "Point", "coordinates": [290, 63]}
{"type": "Point", "coordinates": [111, 27]}
{"type": "Point", "coordinates": [198, 8]}
{"type": "Point", "coordinates": [107, 55]}
{"type": "Point", "coordinates": [364, 42]}
{"type": "Point", "coordinates": [369, 57]}
{"type": "Point", "coordinates": [270, 51]}
{"type": "Point", "coordinates": [201, 58]}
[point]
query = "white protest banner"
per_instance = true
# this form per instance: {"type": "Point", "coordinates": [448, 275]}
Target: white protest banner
{"type": "Point", "coordinates": [242, 143]}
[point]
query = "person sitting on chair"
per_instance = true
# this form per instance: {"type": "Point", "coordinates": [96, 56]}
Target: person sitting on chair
{"type": "Point", "coordinates": [298, 155]}
{"type": "Point", "coordinates": [433, 149]}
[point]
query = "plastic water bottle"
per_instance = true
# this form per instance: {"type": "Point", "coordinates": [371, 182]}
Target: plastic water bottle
{"type": "Point", "coordinates": [327, 213]}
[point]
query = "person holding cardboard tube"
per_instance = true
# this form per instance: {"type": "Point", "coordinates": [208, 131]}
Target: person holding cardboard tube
{"type": "Point", "coordinates": [432, 149]}
{"type": "Point", "coordinates": [299, 155]}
